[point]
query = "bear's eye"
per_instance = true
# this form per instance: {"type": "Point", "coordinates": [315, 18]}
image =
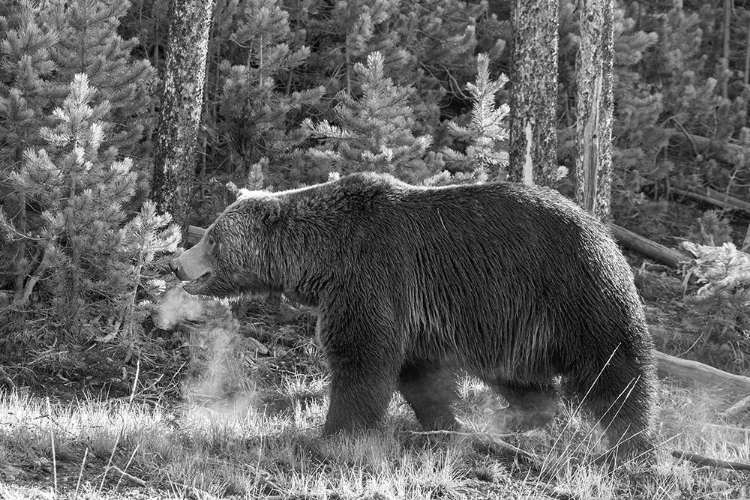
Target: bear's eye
{"type": "Point", "coordinates": [211, 241]}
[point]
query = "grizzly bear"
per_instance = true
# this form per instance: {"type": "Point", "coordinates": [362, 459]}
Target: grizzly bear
{"type": "Point", "coordinates": [414, 286]}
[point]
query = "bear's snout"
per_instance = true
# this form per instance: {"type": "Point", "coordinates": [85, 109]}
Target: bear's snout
{"type": "Point", "coordinates": [191, 264]}
{"type": "Point", "coordinates": [176, 269]}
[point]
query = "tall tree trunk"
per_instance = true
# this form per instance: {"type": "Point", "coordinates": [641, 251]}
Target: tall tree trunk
{"type": "Point", "coordinates": [20, 260]}
{"type": "Point", "coordinates": [533, 94]}
{"type": "Point", "coordinates": [184, 74]}
{"type": "Point", "coordinates": [594, 107]}
{"type": "Point", "coordinates": [728, 5]}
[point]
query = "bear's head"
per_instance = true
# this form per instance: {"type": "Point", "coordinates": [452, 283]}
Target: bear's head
{"type": "Point", "coordinates": [235, 255]}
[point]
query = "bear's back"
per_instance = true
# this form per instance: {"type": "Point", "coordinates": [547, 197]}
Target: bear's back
{"type": "Point", "coordinates": [517, 209]}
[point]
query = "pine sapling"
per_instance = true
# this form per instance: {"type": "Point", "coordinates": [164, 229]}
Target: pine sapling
{"type": "Point", "coordinates": [144, 242]}
{"type": "Point", "coordinates": [79, 192]}
{"type": "Point", "coordinates": [486, 135]}
{"type": "Point", "coordinates": [372, 129]}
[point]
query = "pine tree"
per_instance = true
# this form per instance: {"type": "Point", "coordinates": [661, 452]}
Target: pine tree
{"type": "Point", "coordinates": [80, 192]}
{"type": "Point", "coordinates": [637, 134]}
{"type": "Point", "coordinates": [25, 64]}
{"type": "Point", "coordinates": [373, 132]}
{"type": "Point", "coordinates": [350, 31]}
{"type": "Point", "coordinates": [89, 262]}
{"type": "Point", "coordinates": [691, 87]}
{"type": "Point", "coordinates": [486, 134]}
{"type": "Point", "coordinates": [254, 109]}
{"type": "Point", "coordinates": [145, 242]}
{"type": "Point", "coordinates": [24, 96]}
{"type": "Point", "coordinates": [438, 40]}
{"type": "Point", "coordinates": [88, 43]}
{"type": "Point", "coordinates": [428, 46]}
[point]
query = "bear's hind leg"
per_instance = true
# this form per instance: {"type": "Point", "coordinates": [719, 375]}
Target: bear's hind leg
{"type": "Point", "coordinates": [430, 390]}
{"type": "Point", "coordinates": [528, 407]}
{"type": "Point", "coordinates": [621, 401]}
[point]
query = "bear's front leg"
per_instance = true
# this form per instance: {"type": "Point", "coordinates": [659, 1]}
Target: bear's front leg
{"type": "Point", "coordinates": [364, 365]}
{"type": "Point", "coordinates": [356, 403]}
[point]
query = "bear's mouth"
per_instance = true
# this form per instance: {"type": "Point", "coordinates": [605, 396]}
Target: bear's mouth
{"type": "Point", "coordinates": [194, 286]}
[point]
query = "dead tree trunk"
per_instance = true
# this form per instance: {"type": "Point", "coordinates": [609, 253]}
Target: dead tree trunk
{"type": "Point", "coordinates": [174, 155]}
{"type": "Point", "coordinates": [533, 94]}
{"type": "Point", "coordinates": [594, 107]}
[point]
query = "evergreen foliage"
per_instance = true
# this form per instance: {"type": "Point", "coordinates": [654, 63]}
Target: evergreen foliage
{"type": "Point", "coordinates": [41, 50]}
{"type": "Point", "coordinates": [723, 272]}
{"type": "Point", "coordinates": [86, 259]}
{"type": "Point", "coordinates": [667, 94]}
{"type": "Point", "coordinates": [666, 80]}
{"type": "Point", "coordinates": [254, 111]}
{"type": "Point", "coordinates": [146, 241]}
{"type": "Point", "coordinates": [372, 131]}
{"type": "Point", "coordinates": [711, 229]}
{"type": "Point", "coordinates": [347, 32]}
{"type": "Point", "coordinates": [311, 48]}
{"type": "Point", "coordinates": [79, 192]}
{"type": "Point", "coordinates": [24, 96]}
{"type": "Point", "coordinates": [25, 64]}
{"type": "Point", "coordinates": [638, 136]}
{"type": "Point", "coordinates": [486, 134]}
{"type": "Point", "coordinates": [88, 43]}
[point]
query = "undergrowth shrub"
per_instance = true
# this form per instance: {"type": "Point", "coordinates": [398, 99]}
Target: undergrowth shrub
{"type": "Point", "coordinates": [723, 300]}
{"type": "Point", "coordinates": [711, 229]}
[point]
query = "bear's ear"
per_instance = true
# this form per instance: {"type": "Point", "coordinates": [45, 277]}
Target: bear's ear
{"type": "Point", "coordinates": [272, 206]}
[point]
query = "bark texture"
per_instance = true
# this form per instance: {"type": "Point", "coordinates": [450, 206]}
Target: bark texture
{"type": "Point", "coordinates": [185, 70]}
{"type": "Point", "coordinates": [533, 95]}
{"type": "Point", "coordinates": [594, 107]}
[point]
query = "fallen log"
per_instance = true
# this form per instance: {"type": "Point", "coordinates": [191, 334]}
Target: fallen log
{"type": "Point", "coordinates": [716, 198]}
{"type": "Point", "coordinates": [656, 251]}
{"type": "Point", "coordinates": [700, 460]}
{"type": "Point", "coordinates": [727, 386]}
{"type": "Point", "coordinates": [737, 408]}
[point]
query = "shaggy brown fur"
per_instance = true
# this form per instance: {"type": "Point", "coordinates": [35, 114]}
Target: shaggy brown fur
{"type": "Point", "coordinates": [511, 283]}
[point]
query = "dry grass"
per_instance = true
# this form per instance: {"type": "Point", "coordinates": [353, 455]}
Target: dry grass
{"type": "Point", "coordinates": [248, 425]}
{"type": "Point", "coordinates": [237, 449]}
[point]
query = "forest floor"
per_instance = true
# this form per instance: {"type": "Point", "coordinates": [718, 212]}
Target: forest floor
{"type": "Point", "coordinates": [231, 406]}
